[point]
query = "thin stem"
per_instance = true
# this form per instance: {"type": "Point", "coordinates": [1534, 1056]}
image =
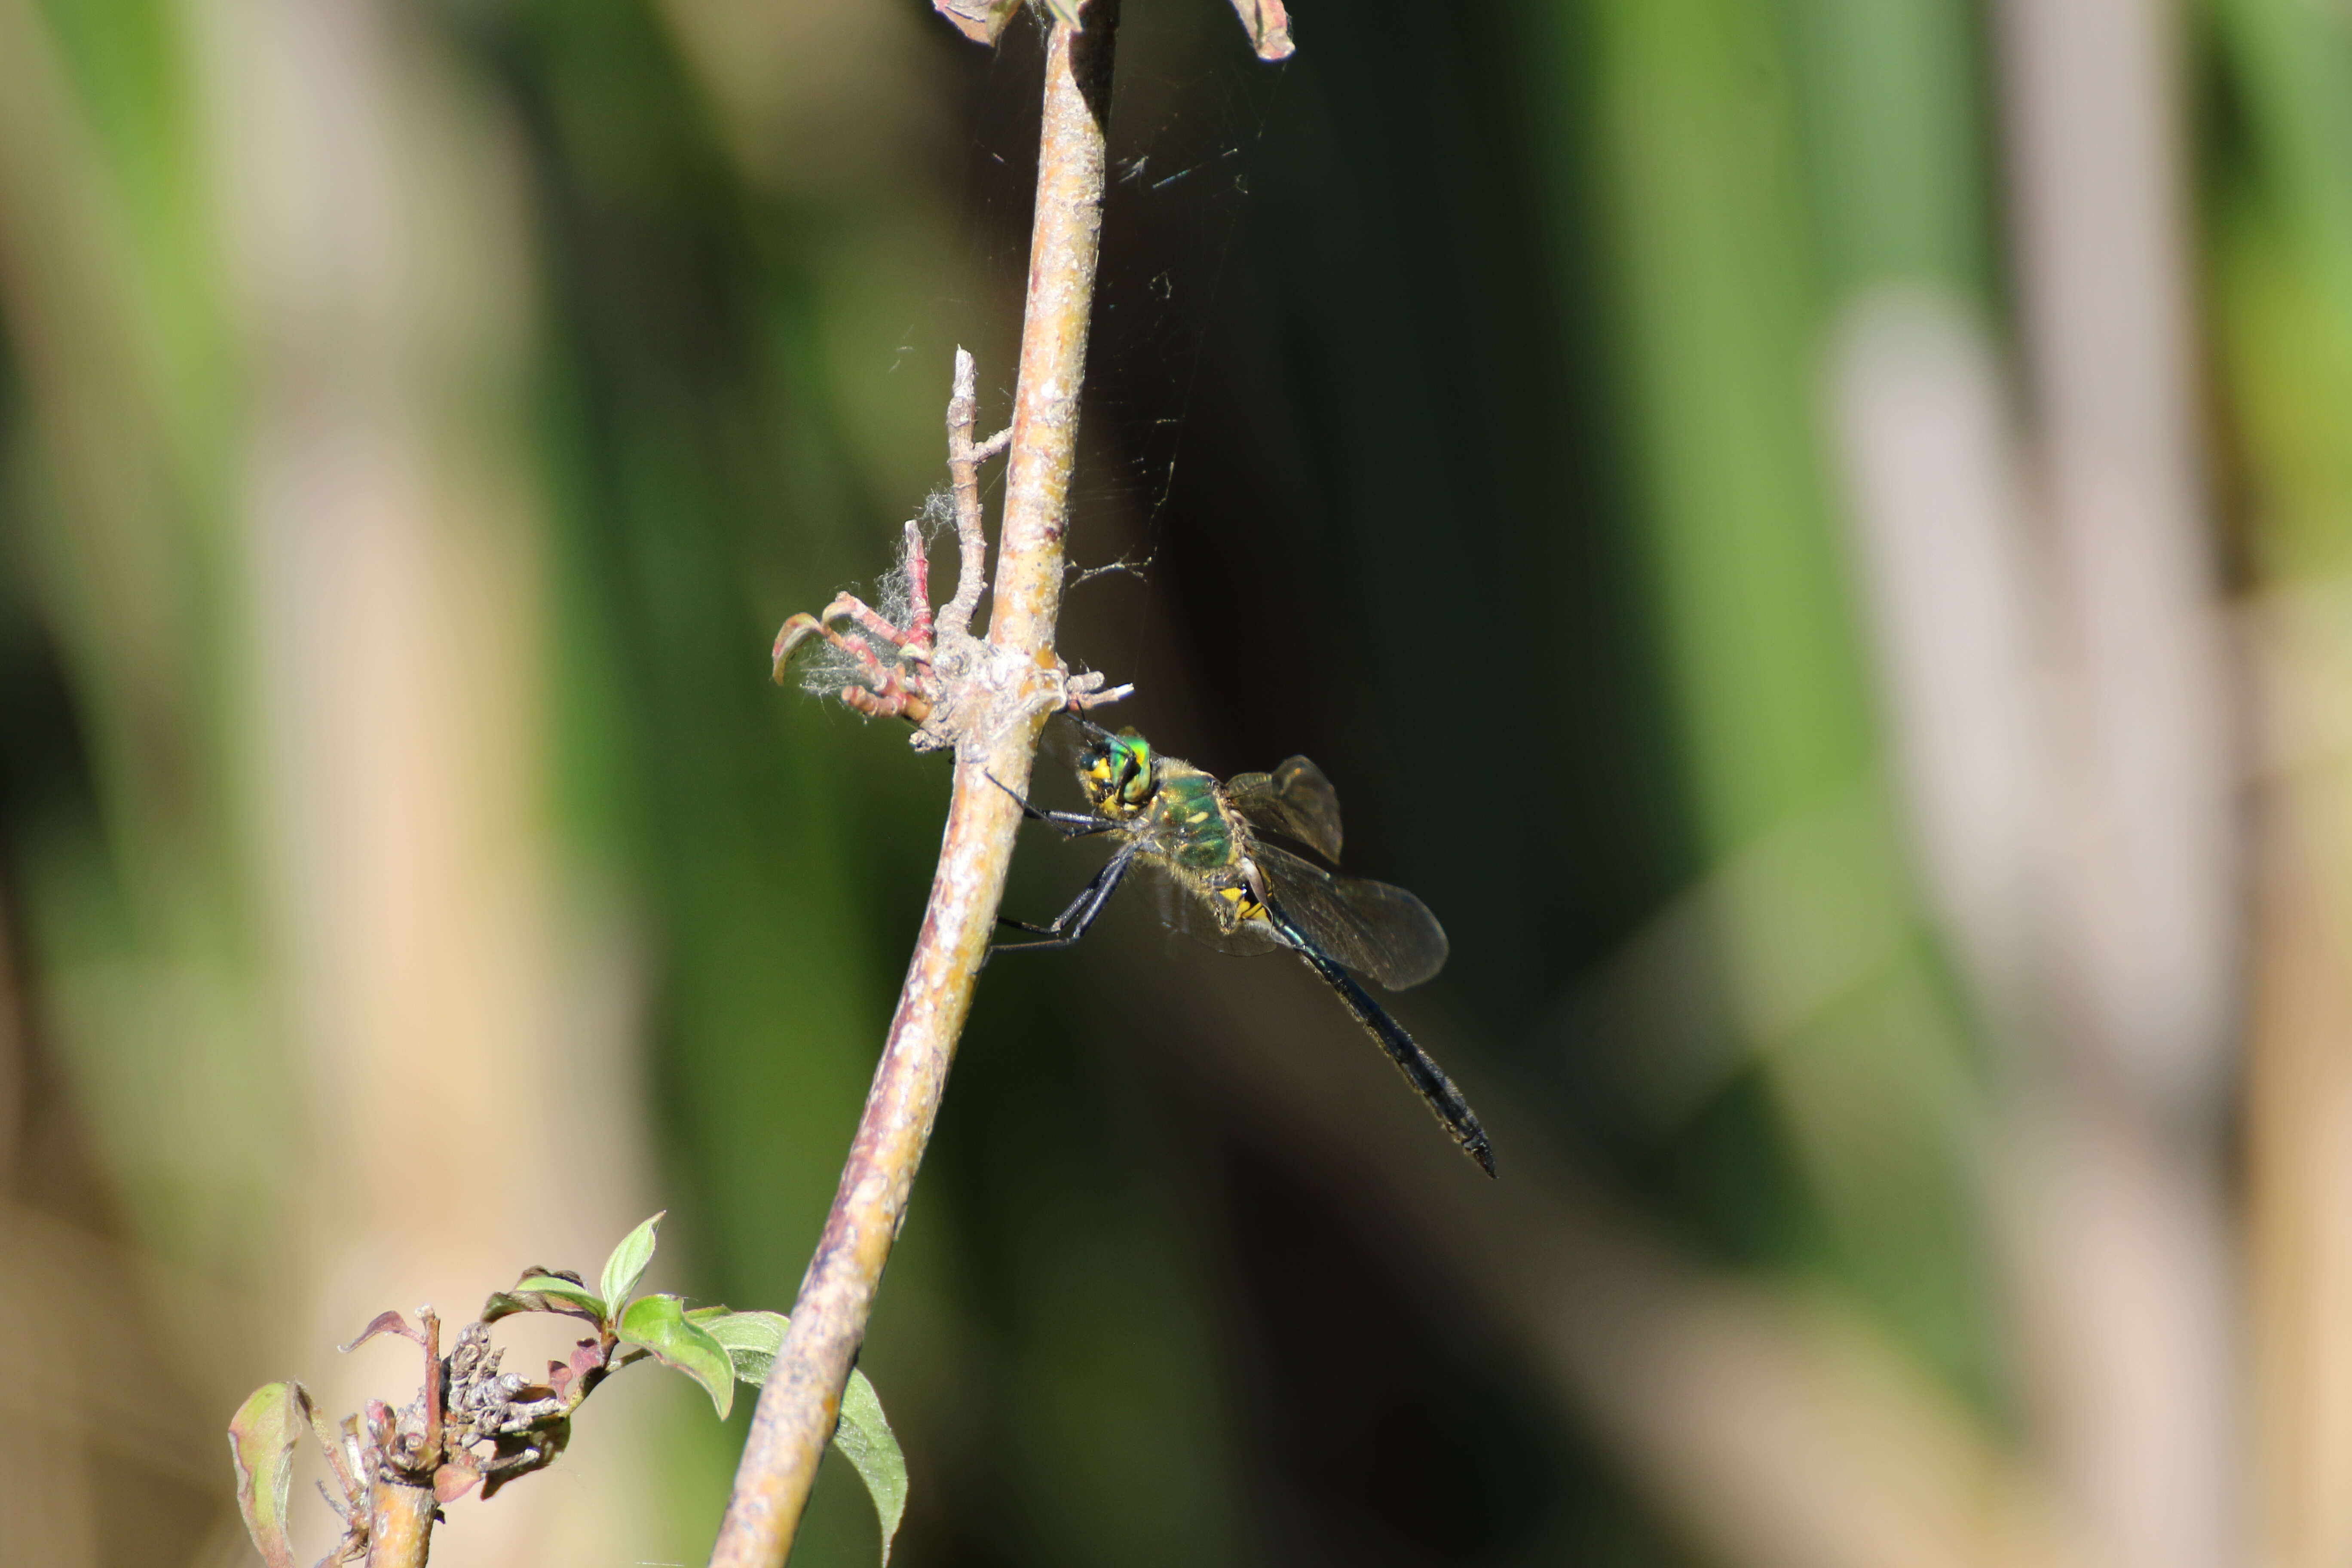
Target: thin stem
{"type": "Point", "coordinates": [1065, 238]}
{"type": "Point", "coordinates": [432, 1390]}
{"type": "Point", "coordinates": [963, 473]}
{"type": "Point", "coordinates": [801, 1401]}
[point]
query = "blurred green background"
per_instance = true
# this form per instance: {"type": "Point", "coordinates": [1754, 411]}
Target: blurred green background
{"type": "Point", "coordinates": [1813, 533]}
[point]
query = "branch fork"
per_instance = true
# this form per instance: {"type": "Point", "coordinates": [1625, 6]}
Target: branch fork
{"type": "Point", "coordinates": [960, 691]}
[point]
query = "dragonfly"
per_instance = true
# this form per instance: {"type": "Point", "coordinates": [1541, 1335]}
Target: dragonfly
{"type": "Point", "coordinates": [1245, 867]}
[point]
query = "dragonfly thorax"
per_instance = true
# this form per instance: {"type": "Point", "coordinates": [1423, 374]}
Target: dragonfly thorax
{"type": "Point", "coordinates": [1187, 823]}
{"type": "Point", "coordinates": [1169, 810]}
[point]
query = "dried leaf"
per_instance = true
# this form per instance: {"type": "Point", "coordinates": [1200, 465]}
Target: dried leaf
{"type": "Point", "coordinates": [261, 1438]}
{"type": "Point", "coordinates": [587, 1356]}
{"type": "Point", "coordinates": [552, 1439]}
{"type": "Point", "coordinates": [979, 20]}
{"type": "Point", "coordinates": [626, 1266]}
{"type": "Point", "coordinates": [456, 1479]}
{"type": "Point", "coordinates": [1269, 28]}
{"type": "Point", "coordinates": [383, 1323]}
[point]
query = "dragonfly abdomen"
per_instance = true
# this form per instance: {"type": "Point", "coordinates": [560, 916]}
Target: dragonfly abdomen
{"type": "Point", "coordinates": [1420, 1070]}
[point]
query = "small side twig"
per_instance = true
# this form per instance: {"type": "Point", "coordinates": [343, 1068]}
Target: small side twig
{"type": "Point", "coordinates": [991, 713]}
{"type": "Point", "coordinates": [965, 458]}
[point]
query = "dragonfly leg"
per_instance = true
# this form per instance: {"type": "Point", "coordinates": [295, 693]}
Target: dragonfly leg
{"type": "Point", "coordinates": [1068, 824]}
{"type": "Point", "coordinates": [1076, 905]}
{"type": "Point", "coordinates": [1073, 922]}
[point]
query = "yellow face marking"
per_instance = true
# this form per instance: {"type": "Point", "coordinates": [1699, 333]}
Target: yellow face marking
{"type": "Point", "coordinates": [1198, 816]}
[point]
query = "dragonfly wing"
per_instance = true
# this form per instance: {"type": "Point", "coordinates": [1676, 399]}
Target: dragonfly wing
{"type": "Point", "coordinates": [1295, 800]}
{"type": "Point", "coordinates": [1182, 909]}
{"type": "Point", "coordinates": [1370, 927]}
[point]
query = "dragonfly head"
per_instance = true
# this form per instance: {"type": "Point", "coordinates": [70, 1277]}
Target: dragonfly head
{"type": "Point", "coordinates": [1117, 772]}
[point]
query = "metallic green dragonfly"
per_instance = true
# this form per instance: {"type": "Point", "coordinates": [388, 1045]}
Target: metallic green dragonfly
{"type": "Point", "coordinates": [1220, 851]}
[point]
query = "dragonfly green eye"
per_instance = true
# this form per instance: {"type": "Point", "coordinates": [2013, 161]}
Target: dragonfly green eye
{"type": "Point", "coordinates": [1117, 768]}
{"type": "Point", "coordinates": [1133, 763]}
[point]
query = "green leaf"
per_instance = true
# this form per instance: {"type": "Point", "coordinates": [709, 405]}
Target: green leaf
{"type": "Point", "coordinates": [261, 1438]}
{"type": "Point", "coordinates": [865, 1440]}
{"type": "Point", "coordinates": [751, 1339]}
{"type": "Point", "coordinates": [658, 1324]}
{"type": "Point", "coordinates": [545, 1290]}
{"type": "Point", "coordinates": [626, 1266]}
